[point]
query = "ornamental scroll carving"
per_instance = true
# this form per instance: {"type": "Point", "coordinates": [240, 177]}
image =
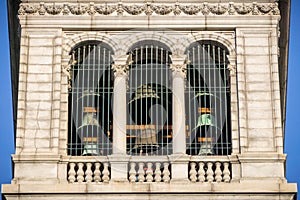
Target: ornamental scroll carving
{"type": "Point", "coordinates": [179, 69]}
{"type": "Point", "coordinates": [149, 9]}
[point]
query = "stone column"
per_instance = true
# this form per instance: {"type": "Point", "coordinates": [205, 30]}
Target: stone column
{"type": "Point", "coordinates": [179, 159]}
{"type": "Point", "coordinates": [178, 67]}
{"type": "Point", "coordinates": [119, 159]}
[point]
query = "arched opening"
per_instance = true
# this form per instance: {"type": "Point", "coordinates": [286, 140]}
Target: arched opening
{"type": "Point", "coordinates": [90, 97]}
{"type": "Point", "coordinates": [149, 100]}
{"type": "Point", "coordinates": [207, 96]}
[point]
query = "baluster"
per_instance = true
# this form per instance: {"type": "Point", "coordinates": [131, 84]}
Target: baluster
{"type": "Point", "coordinates": [193, 172]}
{"type": "Point", "coordinates": [72, 173]}
{"type": "Point", "coordinates": [149, 172]}
{"type": "Point", "coordinates": [201, 172]}
{"type": "Point", "coordinates": [157, 172]}
{"type": "Point", "coordinates": [97, 173]}
{"type": "Point", "coordinates": [80, 173]}
{"type": "Point", "coordinates": [209, 172]}
{"type": "Point", "coordinates": [88, 173]}
{"type": "Point", "coordinates": [166, 173]}
{"type": "Point", "coordinates": [141, 173]}
{"type": "Point", "coordinates": [226, 173]}
{"type": "Point", "coordinates": [218, 172]}
{"type": "Point", "coordinates": [132, 173]}
{"type": "Point", "coordinates": [105, 173]}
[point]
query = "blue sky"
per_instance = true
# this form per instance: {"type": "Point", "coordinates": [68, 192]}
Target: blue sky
{"type": "Point", "coordinates": [292, 137]}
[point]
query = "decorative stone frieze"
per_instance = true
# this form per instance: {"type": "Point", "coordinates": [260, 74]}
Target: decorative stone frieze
{"type": "Point", "coordinates": [149, 9]}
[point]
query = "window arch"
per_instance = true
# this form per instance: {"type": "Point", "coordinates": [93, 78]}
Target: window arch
{"type": "Point", "coordinates": [90, 97]}
{"type": "Point", "coordinates": [207, 96]}
{"type": "Point", "coordinates": [149, 100]}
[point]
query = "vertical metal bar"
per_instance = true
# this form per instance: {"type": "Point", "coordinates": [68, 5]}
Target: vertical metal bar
{"type": "Point", "coordinates": [162, 98]}
{"type": "Point", "coordinates": [145, 70]}
{"type": "Point", "coordinates": [108, 91]}
{"type": "Point", "coordinates": [156, 81]}
{"type": "Point", "coordinates": [225, 100]}
{"type": "Point", "coordinates": [83, 85]}
{"type": "Point", "coordinates": [88, 88]}
{"type": "Point", "coordinates": [208, 80]}
{"type": "Point", "coordinates": [137, 70]}
{"type": "Point", "coordinates": [188, 101]}
{"type": "Point", "coordinates": [98, 90]}
{"type": "Point", "coordinates": [204, 86]}
{"type": "Point", "coordinates": [78, 90]}
{"type": "Point", "coordinates": [91, 87]}
{"type": "Point", "coordinates": [72, 104]}
{"type": "Point", "coordinates": [103, 144]}
{"type": "Point", "coordinates": [142, 73]}
{"type": "Point", "coordinates": [151, 80]}
{"type": "Point", "coordinates": [215, 97]}
{"type": "Point", "coordinates": [165, 68]}
{"type": "Point", "coordinates": [195, 145]}
{"type": "Point", "coordinates": [220, 114]}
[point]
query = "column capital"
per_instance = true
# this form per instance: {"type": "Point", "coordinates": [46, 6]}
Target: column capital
{"type": "Point", "coordinates": [120, 70]}
{"type": "Point", "coordinates": [178, 65]}
{"type": "Point", "coordinates": [121, 65]}
{"type": "Point", "coordinates": [231, 65]}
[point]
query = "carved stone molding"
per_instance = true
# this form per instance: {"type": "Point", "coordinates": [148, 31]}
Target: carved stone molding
{"type": "Point", "coordinates": [67, 70]}
{"type": "Point", "coordinates": [149, 9]}
{"type": "Point", "coordinates": [231, 65]}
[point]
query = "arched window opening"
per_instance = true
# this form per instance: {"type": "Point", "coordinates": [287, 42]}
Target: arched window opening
{"type": "Point", "coordinates": [149, 100]}
{"type": "Point", "coordinates": [207, 96]}
{"type": "Point", "coordinates": [90, 97]}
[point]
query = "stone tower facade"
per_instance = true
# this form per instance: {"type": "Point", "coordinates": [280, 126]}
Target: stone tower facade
{"type": "Point", "coordinates": [160, 99]}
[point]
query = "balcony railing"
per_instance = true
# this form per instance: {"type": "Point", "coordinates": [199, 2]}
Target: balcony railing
{"type": "Point", "coordinates": [87, 170]}
{"type": "Point", "coordinates": [209, 169]}
{"type": "Point", "coordinates": [149, 169]}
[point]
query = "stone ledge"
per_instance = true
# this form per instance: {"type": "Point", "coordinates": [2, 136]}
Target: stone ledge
{"type": "Point", "coordinates": [151, 188]}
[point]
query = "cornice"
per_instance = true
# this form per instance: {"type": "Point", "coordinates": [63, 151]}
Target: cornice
{"type": "Point", "coordinates": [148, 9]}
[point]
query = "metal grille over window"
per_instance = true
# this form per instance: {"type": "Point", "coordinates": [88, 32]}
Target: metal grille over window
{"type": "Point", "coordinates": [90, 97]}
{"type": "Point", "coordinates": [149, 98]}
{"type": "Point", "coordinates": [207, 96]}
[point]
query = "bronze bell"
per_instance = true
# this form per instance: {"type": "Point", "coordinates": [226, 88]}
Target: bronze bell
{"type": "Point", "coordinates": [145, 140]}
{"type": "Point", "coordinates": [144, 91]}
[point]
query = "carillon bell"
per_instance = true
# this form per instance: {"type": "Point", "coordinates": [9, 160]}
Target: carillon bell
{"type": "Point", "coordinates": [145, 140]}
{"type": "Point", "coordinates": [145, 134]}
{"type": "Point", "coordinates": [144, 97]}
{"type": "Point", "coordinates": [144, 91]}
{"type": "Point", "coordinates": [206, 149]}
{"type": "Point", "coordinates": [90, 131]}
{"type": "Point", "coordinates": [206, 120]}
{"type": "Point", "coordinates": [90, 119]}
{"type": "Point", "coordinates": [205, 127]}
{"type": "Point", "coordinates": [90, 149]}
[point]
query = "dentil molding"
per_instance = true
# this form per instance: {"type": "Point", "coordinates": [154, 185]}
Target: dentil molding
{"type": "Point", "coordinates": [148, 9]}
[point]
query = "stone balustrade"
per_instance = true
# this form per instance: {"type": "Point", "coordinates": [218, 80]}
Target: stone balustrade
{"type": "Point", "coordinates": [87, 171]}
{"type": "Point", "coordinates": [149, 172]}
{"type": "Point", "coordinates": [149, 169]}
{"type": "Point", "coordinates": [209, 169]}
